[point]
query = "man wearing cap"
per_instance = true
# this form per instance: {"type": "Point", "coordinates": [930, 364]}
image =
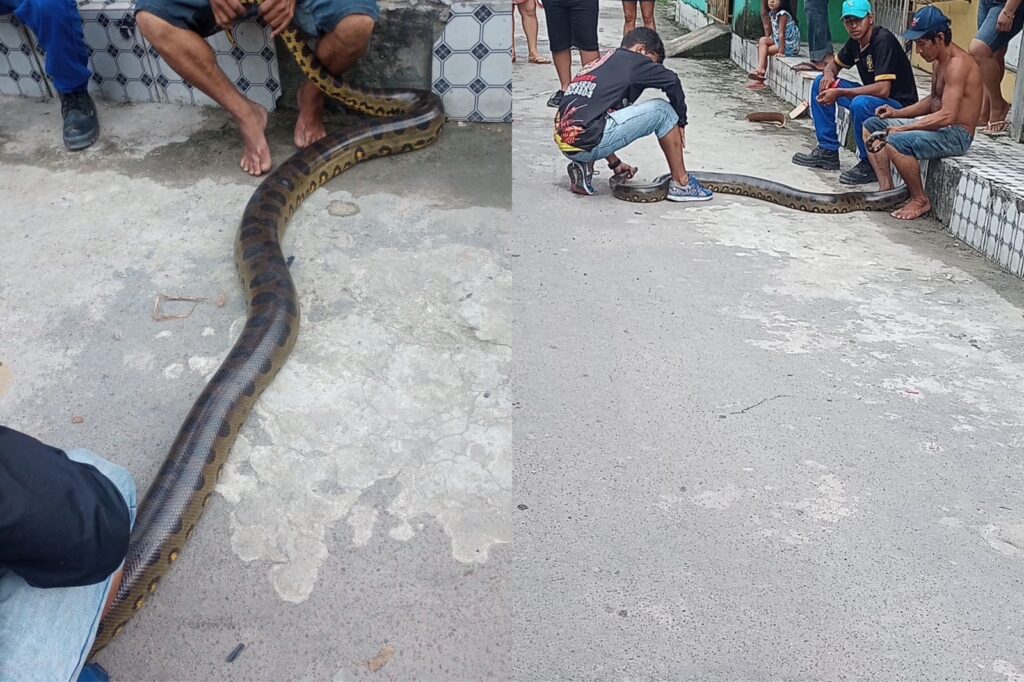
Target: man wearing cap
{"type": "Point", "coordinates": [887, 77]}
{"type": "Point", "coordinates": [940, 125]}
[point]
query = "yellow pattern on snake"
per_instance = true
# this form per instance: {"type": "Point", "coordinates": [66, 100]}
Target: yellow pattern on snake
{"type": "Point", "coordinates": [409, 120]}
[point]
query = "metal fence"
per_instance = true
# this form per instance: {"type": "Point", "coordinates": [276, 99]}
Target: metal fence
{"type": "Point", "coordinates": [895, 15]}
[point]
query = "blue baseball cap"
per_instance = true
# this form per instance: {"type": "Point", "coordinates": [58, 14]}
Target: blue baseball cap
{"type": "Point", "coordinates": [926, 20]}
{"type": "Point", "coordinates": [856, 8]}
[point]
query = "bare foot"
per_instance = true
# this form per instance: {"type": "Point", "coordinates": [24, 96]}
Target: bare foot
{"type": "Point", "coordinates": [310, 126]}
{"type": "Point", "coordinates": [913, 209]}
{"type": "Point", "coordinates": [256, 157]}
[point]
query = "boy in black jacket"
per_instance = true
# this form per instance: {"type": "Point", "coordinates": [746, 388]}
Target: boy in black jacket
{"type": "Point", "coordinates": [65, 521]}
{"type": "Point", "coordinates": [597, 117]}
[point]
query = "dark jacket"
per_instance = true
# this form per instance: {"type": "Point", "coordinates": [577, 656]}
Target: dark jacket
{"type": "Point", "coordinates": [62, 523]}
{"type": "Point", "coordinates": [613, 82]}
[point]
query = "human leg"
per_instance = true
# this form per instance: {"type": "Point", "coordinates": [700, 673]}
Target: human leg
{"type": "Point", "coordinates": [647, 12]}
{"type": "Point", "coordinates": [57, 26]}
{"type": "Point", "coordinates": [862, 109]}
{"type": "Point", "coordinates": [556, 17]}
{"type": "Point", "coordinates": [628, 16]}
{"type": "Point", "coordinates": [989, 49]}
{"type": "Point", "coordinates": [343, 29]}
{"type": "Point", "coordinates": [528, 13]}
{"type": "Point", "coordinates": [583, 16]}
{"type": "Point", "coordinates": [46, 634]}
{"type": "Point", "coordinates": [826, 154]}
{"type": "Point", "coordinates": [176, 30]}
{"type": "Point", "coordinates": [819, 37]}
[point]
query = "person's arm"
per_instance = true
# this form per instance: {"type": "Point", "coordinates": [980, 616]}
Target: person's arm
{"type": "Point", "coordinates": [654, 75]}
{"type": "Point", "coordinates": [952, 93]}
{"type": "Point", "coordinates": [62, 523]}
{"type": "Point", "coordinates": [783, 20]}
{"type": "Point", "coordinates": [766, 21]}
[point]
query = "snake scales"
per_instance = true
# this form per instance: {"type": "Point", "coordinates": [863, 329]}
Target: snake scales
{"type": "Point", "coordinates": [167, 515]}
{"type": "Point", "coordinates": [766, 190]}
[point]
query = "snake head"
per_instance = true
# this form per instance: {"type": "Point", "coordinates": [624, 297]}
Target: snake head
{"type": "Point", "coordinates": [877, 140]}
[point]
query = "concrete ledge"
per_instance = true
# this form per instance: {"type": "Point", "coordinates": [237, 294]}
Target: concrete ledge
{"type": "Point", "coordinates": [978, 197]}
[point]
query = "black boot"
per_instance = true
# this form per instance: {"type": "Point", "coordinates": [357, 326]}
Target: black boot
{"type": "Point", "coordinates": [81, 125]}
{"type": "Point", "coordinates": [818, 158]}
{"type": "Point", "coordinates": [861, 174]}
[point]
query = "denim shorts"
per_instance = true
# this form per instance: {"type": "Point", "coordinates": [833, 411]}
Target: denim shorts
{"type": "Point", "coordinates": [630, 124]}
{"type": "Point", "coordinates": [988, 15]}
{"type": "Point", "coordinates": [313, 18]}
{"type": "Point", "coordinates": [46, 634]}
{"type": "Point", "coordinates": [952, 140]}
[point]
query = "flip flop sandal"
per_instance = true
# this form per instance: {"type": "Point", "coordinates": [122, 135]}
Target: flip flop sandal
{"type": "Point", "coordinates": [806, 66]}
{"type": "Point", "coordinates": [755, 85]}
{"type": "Point", "coordinates": [755, 77]}
{"type": "Point", "coordinates": [539, 60]}
{"type": "Point", "coordinates": [996, 128]}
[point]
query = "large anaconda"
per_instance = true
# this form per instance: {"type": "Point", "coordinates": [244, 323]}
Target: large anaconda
{"type": "Point", "coordinates": [172, 505]}
{"type": "Point", "coordinates": [766, 190]}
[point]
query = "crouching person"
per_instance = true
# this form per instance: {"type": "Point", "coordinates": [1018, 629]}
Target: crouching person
{"type": "Point", "coordinates": [597, 117]}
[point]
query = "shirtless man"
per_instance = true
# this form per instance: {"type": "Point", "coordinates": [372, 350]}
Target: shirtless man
{"type": "Point", "coordinates": [940, 125]}
{"type": "Point", "coordinates": [177, 28]}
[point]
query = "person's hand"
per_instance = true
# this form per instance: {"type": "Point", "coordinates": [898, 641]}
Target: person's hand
{"type": "Point", "coordinates": [625, 171]}
{"type": "Point", "coordinates": [1005, 21]}
{"type": "Point", "coordinates": [828, 97]}
{"type": "Point", "coordinates": [278, 13]}
{"type": "Point", "coordinates": [226, 12]}
{"type": "Point", "coordinates": [826, 81]}
{"type": "Point", "coordinates": [885, 111]}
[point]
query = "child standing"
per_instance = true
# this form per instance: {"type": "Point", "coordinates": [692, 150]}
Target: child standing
{"type": "Point", "coordinates": [784, 39]}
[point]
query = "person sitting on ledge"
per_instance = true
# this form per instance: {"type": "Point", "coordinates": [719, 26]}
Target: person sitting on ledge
{"type": "Point", "coordinates": [941, 125]}
{"type": "Point", "coordinates": [597, 117]}
{"type": "Point", "coordinates": [57, 26]}
{"type": "Point", "coordinates": [888, 79]}
{"type": "Point", "coordinates": [176, 28]}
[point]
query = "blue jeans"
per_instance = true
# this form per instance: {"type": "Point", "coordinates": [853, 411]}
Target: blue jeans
{"type": "Point", "coordinates": [630, 124]}
{"type": "Point", "coordinates": [819, 37]}
{"type": "Point", "coordinates": [988, 33]}
{"type": "Point", "coordinates": [46, 634]}
{"type": "Point", "coordinates": [57, 26]}
{"type": "Point", "coordinates": [952, 140]}
{"type": "Point", "coordinates": [861, 109]}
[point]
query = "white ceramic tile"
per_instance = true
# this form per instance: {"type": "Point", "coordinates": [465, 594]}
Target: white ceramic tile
{"type": "Point", "coordinates": [459, 102]}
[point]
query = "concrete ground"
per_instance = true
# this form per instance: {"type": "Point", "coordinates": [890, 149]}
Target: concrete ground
{"type": "Point", "coordinates": [366, 503]}
{"type": "Point", "coordinates": [754, 443]}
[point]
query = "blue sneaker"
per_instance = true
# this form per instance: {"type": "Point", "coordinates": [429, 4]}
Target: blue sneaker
{"type": "Point", "coordinates": [93, 672]}
{"type": "Point", "coordinates": [691, 192]}
{"type": "Point", "coordinates": [581, 177]}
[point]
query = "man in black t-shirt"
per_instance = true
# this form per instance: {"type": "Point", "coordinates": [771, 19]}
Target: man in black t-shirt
{"type": "Point", "coordinates": [597, 117]}
{"type": "Point", "coordinates": [888, 79]}
{"type": "Point", "coordinates": [65, 521]}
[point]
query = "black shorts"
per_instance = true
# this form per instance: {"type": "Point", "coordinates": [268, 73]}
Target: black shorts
{"type": "Point", "coordinates": [571, 23]}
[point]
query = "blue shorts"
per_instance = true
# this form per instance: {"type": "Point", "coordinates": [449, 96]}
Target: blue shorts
{"type": "Point", "coordinates": [630, 124]}
{"type": "Point", "coordinates": [45, 634]}
{"type": "Point", "coordinates": [313, 18]}
{"type": "Point", "coordinates": [952, 140]}
{"type": "Point", "coordinates": [988, 15]}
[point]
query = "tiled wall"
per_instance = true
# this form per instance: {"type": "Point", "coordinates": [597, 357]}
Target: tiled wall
{"type": "Point", "coordinates": [471, 70]}
{"type": "Point", "coordinates": [690, 17]}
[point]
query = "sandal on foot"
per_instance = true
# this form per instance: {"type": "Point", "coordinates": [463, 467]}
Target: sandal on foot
{"type": "Point", "coordinates": [539, 60]}
{"type": "Point", "coordinates": [754, 77]}
{"type": "Point", "coordinates": [996, 128]}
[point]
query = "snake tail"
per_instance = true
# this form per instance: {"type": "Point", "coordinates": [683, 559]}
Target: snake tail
{"type": "Point", "coordinates": [173, 504]}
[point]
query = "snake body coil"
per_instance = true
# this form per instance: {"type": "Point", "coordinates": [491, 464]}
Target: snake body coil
{"type": "Point", "coordinates": [766, 190]}
{"type": "Point", "coordinates": [171, 508]}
